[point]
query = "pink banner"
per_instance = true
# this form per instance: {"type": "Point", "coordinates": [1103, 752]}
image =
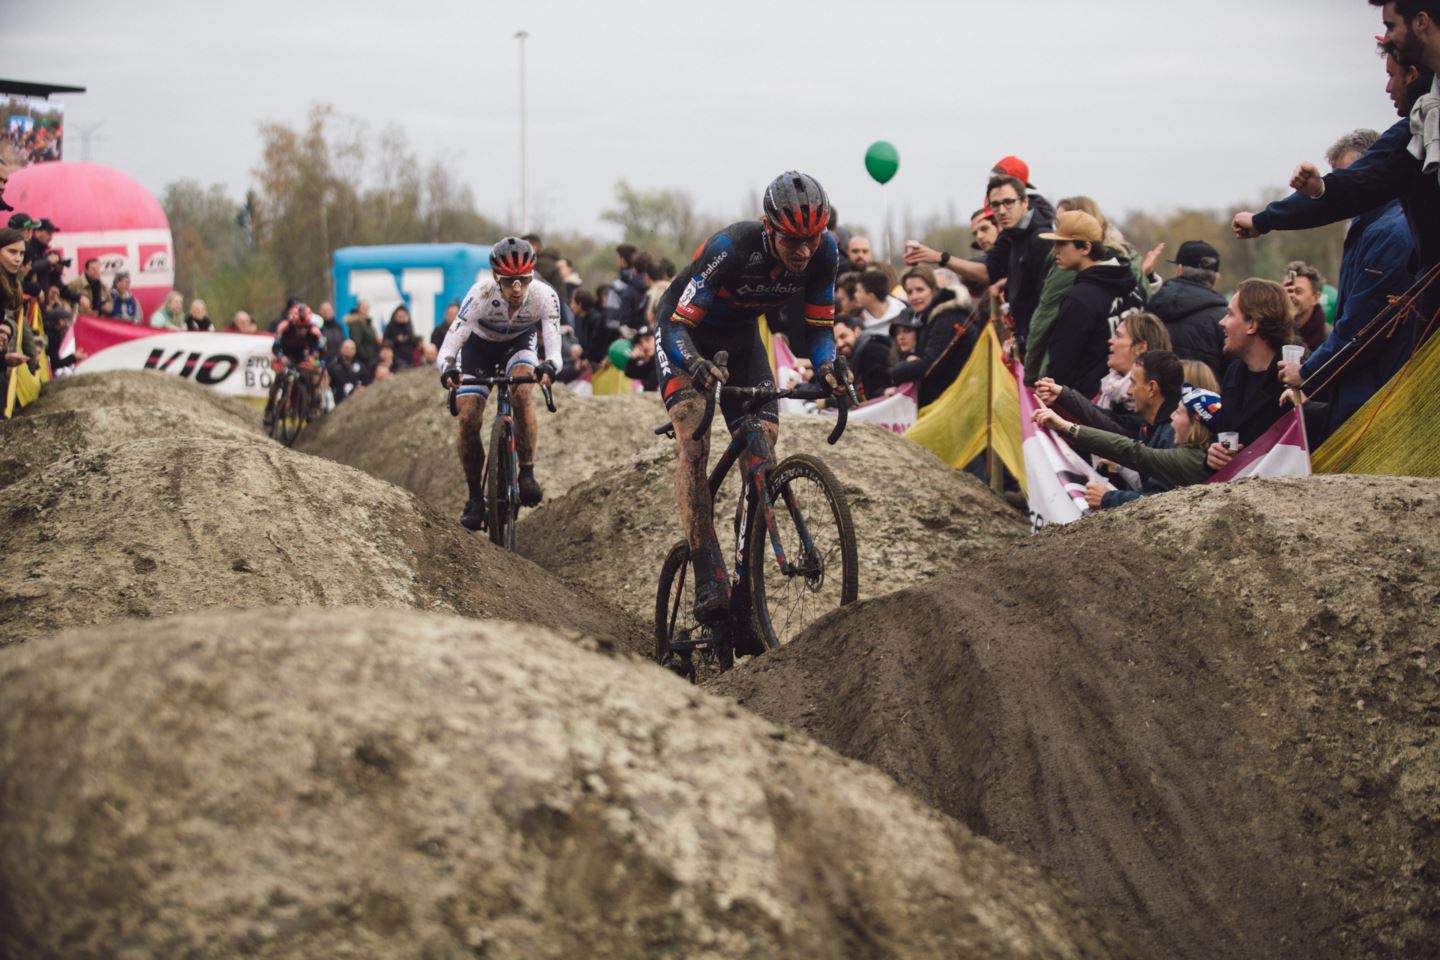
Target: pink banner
{"type": "Point", "coordinates": [1282, 451]}
{"type": "Point", "coordinates": [93, 334]}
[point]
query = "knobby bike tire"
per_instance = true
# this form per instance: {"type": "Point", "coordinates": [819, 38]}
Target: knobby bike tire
{"type": "Point", "coordinates": [785, 606]}
{"type": "Point", "coordinates": [675, 599]}
{"type": "Point", "coordinates": [501, 497]}
{"type": "Point", "coordinates": [299, 409]}
{"type": "Point", "coordinates": [275, 412]}
{"type": "Point", "coordinates": [288, 413]}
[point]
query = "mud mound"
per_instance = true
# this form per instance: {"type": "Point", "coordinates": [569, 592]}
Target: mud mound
{"type": "Point", "coordinates": [1214, 712]}
{"type": "Point", "coordinates": [914, 516]}
{"type": "Point", "coordinates": [129, 525]}
{"type": "Point", "coordinates": [400, 431]}
{"type": "Point", "coordinates": [157, 391]}
{"type": "Point", "coordinates": [363, 783]}
{"type": "Point", "coordinates": [32, 443]}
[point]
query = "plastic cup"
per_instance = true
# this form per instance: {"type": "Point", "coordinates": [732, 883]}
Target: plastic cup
{"type": "Point", "coordinates": [1292, 353]}
{"type": "Point", "coordinates": [1229, 440]}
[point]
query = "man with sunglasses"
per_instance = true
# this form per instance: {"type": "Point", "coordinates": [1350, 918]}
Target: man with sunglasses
{"type": "Point", "coordinates": [743, 271]}
{"type": "Point", "coordinates": [500, 323]}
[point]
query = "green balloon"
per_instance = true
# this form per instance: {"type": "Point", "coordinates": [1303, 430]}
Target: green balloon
{"type": "Point", "coordinates": [619, 353]}
{"type": "Point", "coordinates": [882, 160]}
{"type": "Point", "coordinates": [1329, 296]}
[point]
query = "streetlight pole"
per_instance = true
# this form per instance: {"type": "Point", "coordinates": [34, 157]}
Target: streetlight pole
{"type": "Point", "coordinates": [524, 180]}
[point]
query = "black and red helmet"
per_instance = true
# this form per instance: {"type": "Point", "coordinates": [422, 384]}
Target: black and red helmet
{"type": "Point", "coordinates": [512, 257]}
{"type": "Point", "coordinates": [796, 205]}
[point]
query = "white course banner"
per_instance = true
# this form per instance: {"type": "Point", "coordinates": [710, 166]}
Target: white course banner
{"type": "Point", "coordinates": [237, 364]}
{"type": "Point", "coordinates": [895, 413]}
{"type": "Point", "coordinates": [1055, 475]}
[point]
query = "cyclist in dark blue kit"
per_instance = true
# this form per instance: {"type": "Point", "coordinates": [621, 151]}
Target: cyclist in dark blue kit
{"type": "Point", "coordinates": [713, 305]}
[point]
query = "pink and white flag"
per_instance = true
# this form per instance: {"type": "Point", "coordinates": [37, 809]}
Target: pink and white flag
{"type": "Point", "coordinates": [895, 413]}
{"type": "Point", "coordinates": [1282, 451]}
{"type": "Point", "coordinates": [1055, 475]}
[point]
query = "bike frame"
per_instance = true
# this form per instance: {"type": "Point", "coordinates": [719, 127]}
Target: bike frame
{"type": "Point", "coordinates": [503, 411]}
{"type": "Point", "coordinates": [749, 443]}
{"type": "Point", "coordinates": [750, 447]}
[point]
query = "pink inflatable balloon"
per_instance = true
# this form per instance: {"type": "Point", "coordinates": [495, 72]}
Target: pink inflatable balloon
{"type": "Point", "coordinates": [101, 213]}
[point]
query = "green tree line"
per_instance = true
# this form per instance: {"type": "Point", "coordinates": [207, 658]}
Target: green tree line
{"type": "Point", "coordinates": [333, 182]}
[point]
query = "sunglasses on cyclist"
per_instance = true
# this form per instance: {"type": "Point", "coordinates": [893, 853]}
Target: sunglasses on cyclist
{"type": "Point", "coordinates": [791, 243]}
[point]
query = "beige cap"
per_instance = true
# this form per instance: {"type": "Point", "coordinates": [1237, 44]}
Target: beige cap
{"type": "Point", "coordinates": [1076, 225]}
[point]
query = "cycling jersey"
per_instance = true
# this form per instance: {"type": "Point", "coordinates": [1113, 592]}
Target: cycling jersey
{"type": "Point", "coordinates": [298, 339]}
{"type": "Point", "coordinates": [485, 358]}
{"type": "Point", "coordinates": [749, 367]}
{"type": "Point", "coordinates": [486, 314]}
{"type": "Point", "coordinates": [735, 279]}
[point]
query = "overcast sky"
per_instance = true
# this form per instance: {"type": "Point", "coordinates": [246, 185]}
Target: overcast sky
{"type": "Point", "coordinates": [1143, 104]}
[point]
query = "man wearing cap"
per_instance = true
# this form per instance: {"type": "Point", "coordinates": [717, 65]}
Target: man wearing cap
{"type": "Point", "coordinates": [1104, 292]}
{"type": "Point", "coordinates": [1191, 307]}
{"type": "Point", "coordinates": [1020, 170]}
{"type": "Point", "coordinates": [46, 264]}
{"type": "Point", "coordinates": [1017, 256]}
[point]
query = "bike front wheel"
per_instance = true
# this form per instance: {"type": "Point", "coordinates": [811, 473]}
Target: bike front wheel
{"type": "Point", "coordinates": [501, 488]}
{"type": "Point", "coordinates": [677, 632]}
{"type": "Point", "coordinates": [289, 412]}
{"type": "Point", "coordinates": [817, 540]}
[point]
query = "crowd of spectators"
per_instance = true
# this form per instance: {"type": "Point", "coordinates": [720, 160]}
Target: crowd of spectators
{"type": "Point", "coordinates": [1142, 370]}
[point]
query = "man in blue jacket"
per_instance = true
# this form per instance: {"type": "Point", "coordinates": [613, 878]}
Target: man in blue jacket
{"type": "Point", "coordinates": [1378, 261]}
{"type": "Point", "coordinates": [1375, 266]}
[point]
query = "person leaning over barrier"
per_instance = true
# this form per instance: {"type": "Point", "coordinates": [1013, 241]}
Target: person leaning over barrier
{"type": "Point", "coordinates": [1192, 422]}
{"type": "Point", "coordinates": [1256, 324]}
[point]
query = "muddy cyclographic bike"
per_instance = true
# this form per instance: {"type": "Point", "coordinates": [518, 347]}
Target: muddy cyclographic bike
{"type": "Point", "coordinates": [295, 404]}
{"type": "Point", "coordinates": [796, 506]}
{"type": "Point", "coordinates": [502, 467]}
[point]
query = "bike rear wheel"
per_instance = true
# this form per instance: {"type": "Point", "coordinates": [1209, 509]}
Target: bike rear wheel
{"type": "Point", "coordinates": [822, 576]}
{"type": "Point", "coordinates": [501, 493]}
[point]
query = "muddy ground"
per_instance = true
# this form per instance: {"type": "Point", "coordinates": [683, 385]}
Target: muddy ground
{"type": "Point", "coordinates": [400, 431]}
{"type": "Point", "coordinates": [1215, 712]}
{"type": "Point", "coordinates": [1212, 714]}
{"type": "Point", "coordinates": [914, 517]}
{"type": "Point", "coordinates": [158, 503]}
{"type": "Point", "coordinates": [385, 784]}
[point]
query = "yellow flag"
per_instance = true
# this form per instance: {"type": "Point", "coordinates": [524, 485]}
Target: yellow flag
{"type": "Point", "coordinates": [768, 339]}
{"type": "Point", "coordinates": [608, 380]}
{"type": "Point", "coordinates": [23, 388]}
{"type": "Point", "coordinates": [1394, 433]}
{"type": "Point", "coordinates": [37, 324]}
{"type": "Point", "coordinates": [982, 406]}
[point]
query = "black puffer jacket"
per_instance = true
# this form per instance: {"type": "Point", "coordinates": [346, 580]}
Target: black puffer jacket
{"type": "Point", "coordinates": [870, 365]}
{"type": "Point", "coordinates": [1192, 313]}
{"type": "Point", "coordinates": [1089, 312]}
{"type": "Point", "coordinates": [938, 363]}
